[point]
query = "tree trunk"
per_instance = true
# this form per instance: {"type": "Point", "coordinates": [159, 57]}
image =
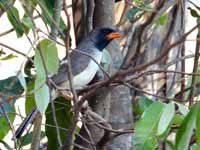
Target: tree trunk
{"type": "Point", "coordinates": [110, 101]}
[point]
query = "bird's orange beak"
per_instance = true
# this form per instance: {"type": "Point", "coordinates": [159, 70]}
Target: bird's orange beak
{"type": "Point", "coordinates": [113, 35]}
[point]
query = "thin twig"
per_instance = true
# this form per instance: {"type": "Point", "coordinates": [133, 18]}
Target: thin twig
{"type": "Point", "coordinates": [36, 132]}
{"type": "Point", "coordinates": [90, 136]}
{"type": "Point", "coordinates": [69, 138]}
{"type": "Point", "coordinates": [53, 21]}
{"type": "Point", "coordinates": [9, 123]}
{"type": "Point", "coordinates": [16, 51]}
{"type": "Point", "coordinates": [195, 67]}
{"type": "Point", "coordinates": [6, 32]}
{"type": "Point", "coordinates": [58, 4]}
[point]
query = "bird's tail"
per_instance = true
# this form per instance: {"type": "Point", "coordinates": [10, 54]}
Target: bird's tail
{"type": "Point", "coordinates": [25, 123]}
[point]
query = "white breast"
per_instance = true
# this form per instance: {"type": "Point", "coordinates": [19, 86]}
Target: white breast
{"type": "Point", "coordinates": [81, 80]}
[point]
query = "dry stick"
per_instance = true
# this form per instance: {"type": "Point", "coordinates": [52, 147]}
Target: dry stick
{"type": "Point", "coordinates": [101, 122]}
{"type": "Point", "coordinates": [183, 70]}
{"type": "Point", "coordinates": [67, 36]}
{"type": "Point", "coordinates": [37, 132]}
{"type": "Point", "coordinates": [154, 95]}
{"type": "Point", "coordinates": [195, 67]}
{"type": "Point", "coordinates": [6, 32]}
{"type": "Point", "coordinates": [37, 124]}
{"type": "Point", "coordinates": [136, 6]}
{"type": "Point", "coordinates": [16, 51]}
{"type": "Point", "coordinates": [81, 147]}
{"type": "Point", "coordinates": [53, 21]}
{"type": "Point", "coordinates": [150, 72]}
{"type": "Point", "coordinates": [90, 136]}
{"type": "Point", "coordinates": [69, 138]}
{"type": "Point", "coordinates": [58, 5]}
{"type": "Point", "coordinates": [53, 35]}
{"type": "Point", "coordinates": [55, 30]}
{"type": "Point", "coordinates": [64, 129]}
{"type": "Point", "coordinates": [182, 50]}
{"type": "Point", "coordinates": [38, 12]}
{"type": "Point", "coordinates": [179, 59]}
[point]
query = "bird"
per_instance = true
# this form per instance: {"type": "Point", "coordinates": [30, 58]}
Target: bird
{"type": "Point", "coordinates": [83, 67]}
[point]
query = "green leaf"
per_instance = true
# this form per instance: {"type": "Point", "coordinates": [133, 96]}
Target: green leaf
{"type": "Point", "coordinates": [22, 80]}
{"type": "Point", "coordinates": [150, 144]}
{"type": "Point", "coordinates": [49, 51]}
{"type": "Point", "coordinates": [141, 105]}
{"type": "Point", "coordinates": [42, 95]}
{"type": "Point", "coordinates": [8, 57]}
{"type": "Point", "coordinates": [50, 55]}
{"type": "Point", "coordinates": [10, 89]}
{"type": "Point", "coordinates": [4, 4]}
{"type": "Point", "coordinates": [198, 128]}
{"type": "Point", "coordinates": [106, 59]}
{"type": "Point", "coordinates": [30, 98]}
{"type": "Point", "coordinates": [4, 125]}
{"type": "Point", "coordinates": [118, 62]}
{"type": "Point", "coordinates": [39, 66]}
{"type": "Point", "coordinates": [27, 139]}
{"type": "Point", "coordinates": [162, 19]}
{"type": "Point", "coordinates": [166, 118]}
{"type": "Point", "coordinates": [47, 7]}
{"type": "Point", "coordinates": [185, 131]}
{"type": "Point", "coordinates": [13, 17]}
{"type": "Point", "coordinates": [145, 129]}
{"type": "Point", "coordinates": [29, 6]}
{"type": "Point", "coordinates": [63, 116]}
{"type": "Point", "coordinates": [170, 144]}
{"type": "Point", "coordinates": [182, 109]}
{"type": "Point", "coordinates": [177, 119]}
{"type": "Point", "coordinates": [132, 12]}
{"type": "Point", "coordinates": [144, 103]}
{"type": "Point", "coordinates": [195, 147]}
{"type": "Point", "coordinates": [49, 59]}
{"type": "Point", "coordinates": [26, 21]}
{"type": "Point", "coordinates": [194, 13]}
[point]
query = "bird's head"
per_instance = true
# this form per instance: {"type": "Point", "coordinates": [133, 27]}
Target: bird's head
{"type": "Point", "coordinates": [103, 36]}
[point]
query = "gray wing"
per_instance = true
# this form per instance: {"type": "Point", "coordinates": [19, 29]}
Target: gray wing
{"type": "Point", "coordinates": [78, 63]}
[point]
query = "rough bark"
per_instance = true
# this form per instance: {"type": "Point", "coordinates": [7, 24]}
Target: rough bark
{"type": "Point", "coordinates": [120, 102]}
